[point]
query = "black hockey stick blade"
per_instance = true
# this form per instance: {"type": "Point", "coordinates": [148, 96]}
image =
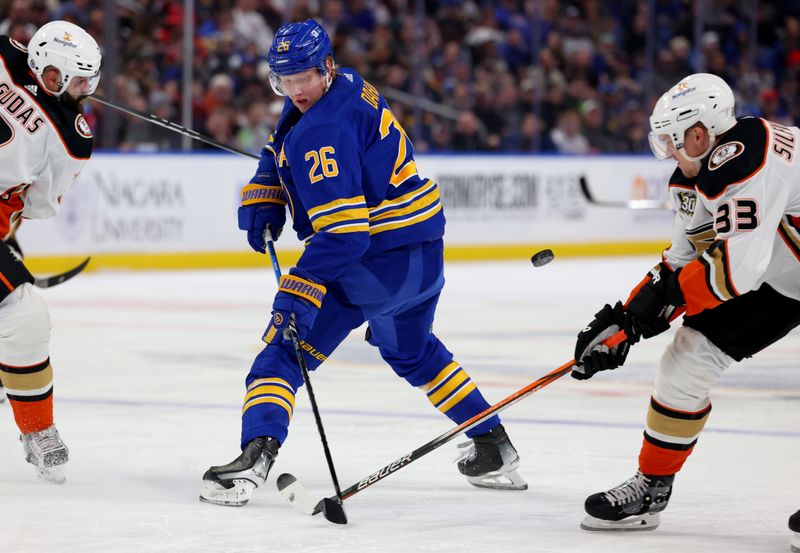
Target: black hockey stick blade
{"type": "Point", "coordinates": [54, 280]}
{"type": "Point", "coordinates": [333, 510]}
{"type": "Point", "coordinates": [629, 204]}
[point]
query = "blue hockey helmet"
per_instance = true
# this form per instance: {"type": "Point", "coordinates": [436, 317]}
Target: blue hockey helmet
{"type": "Point", "coordinates": [298, 47]}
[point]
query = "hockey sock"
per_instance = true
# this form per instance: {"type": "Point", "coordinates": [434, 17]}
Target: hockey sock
{"type": "Point", "coordinates": [669, 438]}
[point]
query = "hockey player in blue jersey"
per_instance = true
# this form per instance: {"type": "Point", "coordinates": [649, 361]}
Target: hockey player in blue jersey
{"type": "Point", "coordinates": [373, 229]}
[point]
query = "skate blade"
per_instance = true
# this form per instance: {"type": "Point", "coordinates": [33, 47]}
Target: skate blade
{"type": "Point", "coordinates": [796, 542]}
{"type": "Point", "coordinates": [649, 521]}
{"type": "Point", "coordinates": [237, 496]}
{"type": "Point", "coordinates": [510, 480]}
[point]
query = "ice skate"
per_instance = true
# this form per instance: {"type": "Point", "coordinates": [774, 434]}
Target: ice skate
{"type": "Point", "coordinates": [46, 451]}
{"type": "Point", "coordinates": [490, 461]}
{"type": "Point", "coordinates": [233, 484]}
{"type": "Point", "coordinates": [633, 505]}
{"type": "Point", "coordinates": [794, 526]}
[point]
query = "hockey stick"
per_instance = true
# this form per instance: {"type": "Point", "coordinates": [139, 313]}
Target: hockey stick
{"type": "Point", "coordinates": [630, 204]}
{"type": "Point", "coordinates": [298, 496]}
{"type": "Point", "coordinates": [171, 126]}
{"type": "Point", "coordinates": [331, 507]}
{"type": "Point", "coordinates": [54, 280]}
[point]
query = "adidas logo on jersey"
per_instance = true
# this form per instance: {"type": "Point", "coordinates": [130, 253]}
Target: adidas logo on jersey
{"type": "Point", "coordinates": [32, 88]}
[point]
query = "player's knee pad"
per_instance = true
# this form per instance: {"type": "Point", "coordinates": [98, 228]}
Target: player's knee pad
{"type": "Point", "coordinates": [689, 367]}
{"type": "Point", "coordinates": [26, 320]}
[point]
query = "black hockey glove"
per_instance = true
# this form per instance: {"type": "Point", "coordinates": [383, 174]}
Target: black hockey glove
{"type": "Point", "coordinates": [591, 355]}
{"type": "Point", "coordinates": [652, 302]}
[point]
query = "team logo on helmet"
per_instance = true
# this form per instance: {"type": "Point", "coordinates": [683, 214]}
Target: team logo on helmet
{"type": "Point", "coordinates": [683, 89]}
{"type": "Point", "coordinates": [82, 127]}
{"type": "Point", "coordinates": [283, 45]}
{"type": "Point", "coordinates": [724, 153]}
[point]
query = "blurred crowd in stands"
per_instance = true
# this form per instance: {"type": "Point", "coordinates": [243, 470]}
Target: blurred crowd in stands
{"type": "Point", "coordinates": [506, 75]}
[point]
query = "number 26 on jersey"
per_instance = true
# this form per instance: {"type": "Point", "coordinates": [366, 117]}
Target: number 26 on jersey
{"type": "Point", "coordinates": [322, 164]}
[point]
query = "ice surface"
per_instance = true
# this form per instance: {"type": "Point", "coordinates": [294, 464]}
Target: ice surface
{"type": "Point", "coordinates": [149, 371]}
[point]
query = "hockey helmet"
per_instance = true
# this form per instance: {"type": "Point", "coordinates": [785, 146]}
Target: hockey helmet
{"type": "Point", "coordinates": [699, 98]}
{"type": "Point", "coordinates": [69, 49]}
{"type": "Point", "coordinates": [298, 47]}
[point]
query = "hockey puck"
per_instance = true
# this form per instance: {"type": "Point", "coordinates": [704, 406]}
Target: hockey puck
{"type": "Point", "coordinates": [542, 258]}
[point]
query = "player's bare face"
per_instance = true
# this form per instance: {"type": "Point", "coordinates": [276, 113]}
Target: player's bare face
{"type": "Point", "coordinates": [304, 89]}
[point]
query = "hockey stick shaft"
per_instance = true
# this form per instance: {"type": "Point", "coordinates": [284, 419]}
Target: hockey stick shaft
{"type": "Point", "coordinates": [54, 280]}
{"type": "Point", "coordinates": [629, 204]}
{"type": "Point", "coordinates": [501, 405]}
{"type": "Point", "coordinates": [333, 513]}
{"type": "Point", "coordinates": [171, 126]}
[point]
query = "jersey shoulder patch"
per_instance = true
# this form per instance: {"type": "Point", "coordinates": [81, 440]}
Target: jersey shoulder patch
{"type": "Point", "coordinates": [739, 156]}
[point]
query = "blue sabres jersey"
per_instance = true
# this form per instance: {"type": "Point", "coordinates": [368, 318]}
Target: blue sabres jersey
{"type": "Point", "coordinates": [348, 171]}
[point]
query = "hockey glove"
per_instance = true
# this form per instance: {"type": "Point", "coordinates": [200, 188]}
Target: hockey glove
{"type": "Point", "coordinates": [297, 295]}
{"type": "Point", "coordinates": [652, 302]}
{"type": "Point", "coordinates": [262, 206]}
{"type": "Point", "coordinates": [591, 355]}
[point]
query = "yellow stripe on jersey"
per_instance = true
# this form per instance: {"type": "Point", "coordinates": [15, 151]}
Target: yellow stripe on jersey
{"type": "Point", "coordinates": [416, 205]}
{"type": "Point", "coordinates": [413, 195]}
{"type": "Point", "coordinates": [425, 215]}
{"type": "Point", "coordinates": [358, 216]}
{"type": "Point", "coordinates": [356, 201]}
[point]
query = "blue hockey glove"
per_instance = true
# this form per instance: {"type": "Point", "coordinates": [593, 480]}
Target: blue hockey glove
{"type": "Point", "coordinates": [297, 295]}
{"type": "Point", "coordinates": [262, 206]}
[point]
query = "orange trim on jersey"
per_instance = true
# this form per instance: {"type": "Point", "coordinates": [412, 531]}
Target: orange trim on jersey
{"type": "Point", "coordinates": [5, 281]}
{"type": "Point", "coordinates": [8, 208]}
{"type": "Point", "coordinates": [33, 416]}
{"type": "Point", "coordinates": [44, 110]}
{"type": "Point", "coordinates": [678, 185]}
{"type": "Point", "coordinates": [693, 280]}
{"type": "Point", "coordinates": [751, 175]}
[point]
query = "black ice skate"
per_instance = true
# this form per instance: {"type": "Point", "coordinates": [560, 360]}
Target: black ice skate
{"type": "Point", "coordinates": [490, 461]}
{"type": "Point", "coordinates": [45, 451]}
{"type": "Point", "coordinates": [794, 526]}
{"type": "Point", "coordinates": [633, 505]}
{"type": "Point", "coordinates": [233, 484]}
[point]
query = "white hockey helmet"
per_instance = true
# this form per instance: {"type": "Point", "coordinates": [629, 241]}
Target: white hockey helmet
{"type": "Point", "coordinates": [699, 98]}
{"type": "Point", "coordinates": [69, 49]}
